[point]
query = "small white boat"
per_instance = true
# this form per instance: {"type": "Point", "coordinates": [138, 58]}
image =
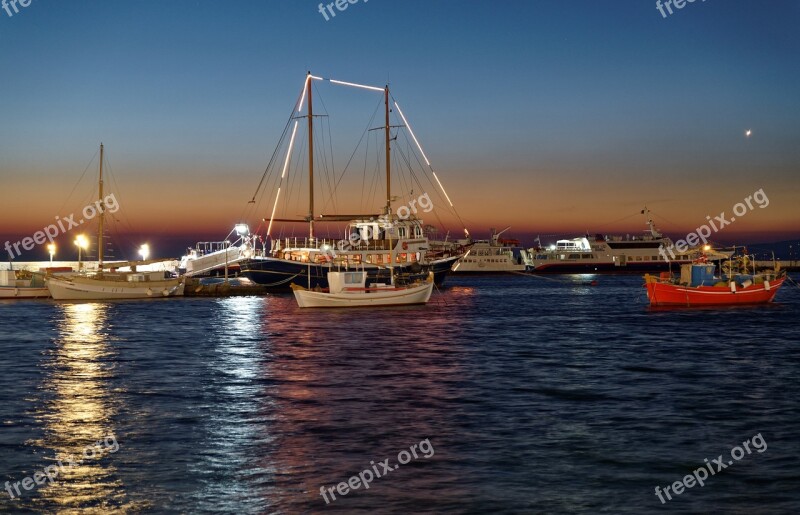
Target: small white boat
{"type": "Point", "coordinates": [13, 286]}
{"type": "Point", "coordinates": [348, 290]}
{"type": "Point", "coordinates": [115, 285]}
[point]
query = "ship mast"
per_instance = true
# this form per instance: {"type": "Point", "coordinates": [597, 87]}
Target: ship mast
{"type": "Point", "coordinates": [310, 160]}
{"type": "Point", "coordinates": [101, 208]}
{"type": "Point", "coordinates": [388, 157]}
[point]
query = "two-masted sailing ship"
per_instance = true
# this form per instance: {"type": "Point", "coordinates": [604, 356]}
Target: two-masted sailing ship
{"type": "Point", "coordinates": [388, 246]}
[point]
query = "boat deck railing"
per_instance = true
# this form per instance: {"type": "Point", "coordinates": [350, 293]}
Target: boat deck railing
{"type": "Point", "coordinates": [279, 245]}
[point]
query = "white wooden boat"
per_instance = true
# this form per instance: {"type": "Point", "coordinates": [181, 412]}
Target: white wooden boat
{"type": "Point", "coordinates": [14, 287]}
{"type": "Point", "coordinates": [348, 290]}
{"type": "Point", "coordinates": [125, 285]}
{"type": "Point", "coordinates": [103, 285]}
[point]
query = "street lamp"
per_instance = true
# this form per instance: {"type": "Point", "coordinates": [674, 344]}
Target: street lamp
{"type": "Point", "coordinates": [51, 248]}
{"type": "Point", "coordinates": [144, 251]}
{"type": "Point", "coordinates": [82, 244]}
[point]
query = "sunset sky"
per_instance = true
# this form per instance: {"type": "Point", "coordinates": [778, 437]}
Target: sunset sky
{"type": "Point", "coordinates": [554, 117]}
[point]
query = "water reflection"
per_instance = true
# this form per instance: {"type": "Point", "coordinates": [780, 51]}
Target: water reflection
{"type": "Point", "coordinates": [77, 412]}
{"type": "Point", "coordinates": [234, 434]}
{"type": "Point", "coordinates": [347, 391]}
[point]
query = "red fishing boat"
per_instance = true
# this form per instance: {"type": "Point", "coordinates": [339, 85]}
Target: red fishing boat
{"type": "Point", "coordinates": [698, 286]}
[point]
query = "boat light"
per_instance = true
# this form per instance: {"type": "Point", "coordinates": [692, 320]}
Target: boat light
{"type": "Point", "coordinates": [144, 251]}
{"type": "Point", "coordinates": [82, 242]}
{"type": "Point", "coordinates": [241, 229]}
{"type": "Point", "coordinates": [412, 134]}
{"type": "Point", "coordinates": [362, 86]}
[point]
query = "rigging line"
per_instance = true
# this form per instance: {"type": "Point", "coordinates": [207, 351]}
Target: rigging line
{"type": "Point", "coordinates": [410, 130]}
{"type": "Point", "coordinates": [321, 150]}
{"type": "Point", "coordinates": [434, 189]}
{"type": "Point", "coordinates": [352, 155]}
{"type": "Point", "coordinates": [61, 210]}
{"type": "Point", "coordinates": [417, 181]}
{"type": "Point", "coordinates": [119, 193]}
{"type": "Point", "coordinates": [280, 141]}
{"type": "Point", "coordinates": [619, 220]}
{"type": "Point", "coordinates": [670, 222]}
{"type": "Point", "coordinates": [326, 169]}
{"type": "Point", "coordinates": [364, 178]}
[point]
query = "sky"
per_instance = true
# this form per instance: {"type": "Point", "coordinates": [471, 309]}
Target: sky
{"type": "Point", "coordinates": [553, 117]}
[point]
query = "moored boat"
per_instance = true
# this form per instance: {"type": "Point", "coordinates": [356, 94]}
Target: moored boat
{"type": "Point", "coordinates": [374, 242]}
{"type": "Point", "coordinates": [348, 290]}
{"type": "Point", "coordinates": [603, 253]}
{"type": "Point", "coordinates": [697, 285]}
{"type": "Point", "coordinates": [494, 256]}
{"type": "Point", "coordinates": [114, 285]}
{"type": "Point", "coordinates": [102, 285]}
{"type": "Point", "coordinates": [22, 285]}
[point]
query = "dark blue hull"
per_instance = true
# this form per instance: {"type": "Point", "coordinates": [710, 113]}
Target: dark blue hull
{"type": "Point", "coordinates": [279, 274]}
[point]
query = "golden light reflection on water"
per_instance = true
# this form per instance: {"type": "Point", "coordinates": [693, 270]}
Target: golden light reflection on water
{"type": "Point", "coordinates": [77, 415]}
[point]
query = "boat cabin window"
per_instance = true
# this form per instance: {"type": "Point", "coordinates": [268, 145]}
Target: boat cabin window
{"type": "Point", "coordinates": [352, 278]}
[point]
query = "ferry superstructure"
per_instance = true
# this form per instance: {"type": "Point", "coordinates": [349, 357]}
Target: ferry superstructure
{"type": "Point", "coordinates": [493, 256]}
{"type": "Point", "coordinates": [606, 254]}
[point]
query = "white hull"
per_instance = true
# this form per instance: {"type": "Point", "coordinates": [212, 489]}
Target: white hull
{"type": "Point", "coordinates": [405, 296]}
{"type": "Point", "coordinates": [218, 260]}
{"type": "Point", "coordinates": [476, 265]}
{"type": "Point", "coordinates": [87, 288]}
{"type": "Point", "coordinates": [23, 293]}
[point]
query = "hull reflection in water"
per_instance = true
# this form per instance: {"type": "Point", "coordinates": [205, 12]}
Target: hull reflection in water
{"type": "Point", "coordinates": [77, 415]}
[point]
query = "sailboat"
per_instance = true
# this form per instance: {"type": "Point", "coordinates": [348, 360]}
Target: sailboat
{"type": "Point", "coordinates": [103, 285]}
{"type": "Point", "coordinates": [382, 241]}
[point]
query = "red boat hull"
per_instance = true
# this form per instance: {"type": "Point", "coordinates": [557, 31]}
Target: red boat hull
{"type": "Point", "coordinates": [666, 294]}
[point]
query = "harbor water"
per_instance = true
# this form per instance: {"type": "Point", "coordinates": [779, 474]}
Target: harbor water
{"type": "Point", "coordinates": [534, 395]}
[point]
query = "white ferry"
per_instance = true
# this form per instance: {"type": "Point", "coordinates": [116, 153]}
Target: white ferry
{"type": "Point", "coordinates": [606, 254]}
{"type": "Point", "coordinates": [493, 256]}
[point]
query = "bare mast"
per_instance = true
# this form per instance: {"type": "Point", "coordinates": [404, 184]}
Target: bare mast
{"type": "Point", "coordinates": [101, 208]}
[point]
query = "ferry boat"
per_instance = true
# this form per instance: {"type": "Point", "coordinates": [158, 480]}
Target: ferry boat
{"type": "Point", "coordinates": [494, 256]}
{"type": "Point", "coordinates": [606, 254]}
{"type": "Point", "coordinates": [375, 243]}
{"type": "Point", "coordinates": [697, 285]}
